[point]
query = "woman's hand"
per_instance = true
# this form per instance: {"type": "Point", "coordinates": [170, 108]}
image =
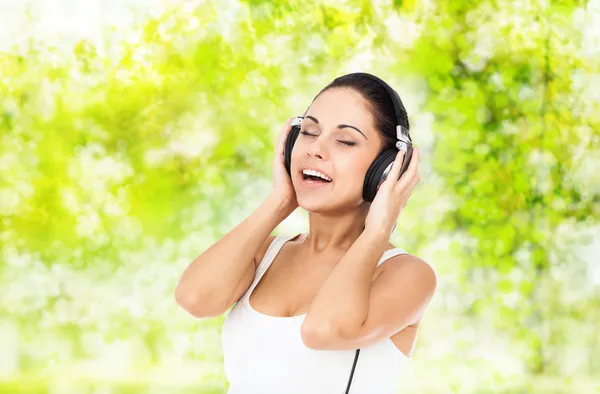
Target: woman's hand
{"type": "Point", "coordinates": [283, 189]}
{"type": "Point", "coordinates": [393, 194]}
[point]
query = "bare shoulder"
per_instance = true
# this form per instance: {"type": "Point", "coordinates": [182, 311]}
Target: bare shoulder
{"type": "Point", "coordinates": [263, 250]}
{"type": "Point", "coordinates": [408, 265]}
{"type": "Point", "coordinates": [412, 274]}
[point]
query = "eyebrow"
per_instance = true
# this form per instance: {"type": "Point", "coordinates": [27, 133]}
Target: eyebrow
{"type": "Point", "coordinates": [340, 126]}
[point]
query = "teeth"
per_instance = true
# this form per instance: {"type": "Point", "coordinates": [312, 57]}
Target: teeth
{"type": "Point", "coordinates": [316, 173]}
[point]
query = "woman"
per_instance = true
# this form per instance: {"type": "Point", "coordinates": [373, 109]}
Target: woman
{"type": "Point", "coordinates": [307, 302]}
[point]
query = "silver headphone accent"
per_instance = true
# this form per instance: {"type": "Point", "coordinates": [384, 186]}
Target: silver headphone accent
{"type": "Point", "coordinates": [297, 121]}
{"type": "Point", "coordinates": [401, 145]}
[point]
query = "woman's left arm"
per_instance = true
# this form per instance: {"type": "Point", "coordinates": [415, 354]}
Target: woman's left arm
{"type": "Point", "coordinates": [351, 310]}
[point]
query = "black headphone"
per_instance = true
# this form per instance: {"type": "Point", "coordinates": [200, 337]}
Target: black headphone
{"type": "Point", "coordinates": [382, 164]}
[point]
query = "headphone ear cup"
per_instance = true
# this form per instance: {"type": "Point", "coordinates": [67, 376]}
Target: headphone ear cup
{"type": "Point", "coordinates": [289, 145]}
{"type": "Point", "coordinates": [375, 173]}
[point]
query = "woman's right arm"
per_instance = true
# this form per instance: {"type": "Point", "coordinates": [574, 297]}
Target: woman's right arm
{"type": "Point", "coordinates": [220, 275]}
{"type": "Point", "coordinates": [217, 278]}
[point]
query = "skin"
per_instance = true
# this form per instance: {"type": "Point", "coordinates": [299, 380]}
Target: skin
{"type": "Point", "coordinates": [331, 273]}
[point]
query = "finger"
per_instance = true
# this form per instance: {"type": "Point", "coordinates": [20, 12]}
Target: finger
{"type": "Point", "coordinates": [283, 135]}
{"type": "Point", "coordinates": [412, 185]}
{"type": "Point", "coordinates": [396, 166]}
{"type": "Point", "coordinates": [285, 128]}
{"type": "Point", "coordinates": [411, 172]}
{"type": "Point", "coordinates": [392, 176]}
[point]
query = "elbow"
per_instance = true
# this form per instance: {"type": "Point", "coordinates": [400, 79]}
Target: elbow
{"type": "Point", "coordinates": [188, 301]}
{"type": "Point", "coordinates": [325, 336]}
{"type": "Point", "coordinates": [195, 304]}
{"type": "Point", "coordinates": [317, 338]}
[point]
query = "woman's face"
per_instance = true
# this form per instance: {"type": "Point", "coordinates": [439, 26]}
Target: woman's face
{"type": "Point", "coordinates": [342, 144]}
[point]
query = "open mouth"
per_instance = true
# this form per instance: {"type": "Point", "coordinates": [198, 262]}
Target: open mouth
{"type": "Point", "coordinates": [314, 179]}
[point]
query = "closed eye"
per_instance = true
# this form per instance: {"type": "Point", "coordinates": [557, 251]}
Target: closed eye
{"type": "Point", "coordinates": [349, 143]}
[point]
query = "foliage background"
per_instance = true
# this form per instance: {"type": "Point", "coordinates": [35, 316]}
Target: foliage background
{"type": "Point", "coordinates": [135, 134]}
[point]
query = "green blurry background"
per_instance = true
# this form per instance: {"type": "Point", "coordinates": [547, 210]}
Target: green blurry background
{"type": "Point", "coordinates": [134, 134]}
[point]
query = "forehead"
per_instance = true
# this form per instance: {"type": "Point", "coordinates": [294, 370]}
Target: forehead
{"type": "Point", "coordinates": [342, 105]}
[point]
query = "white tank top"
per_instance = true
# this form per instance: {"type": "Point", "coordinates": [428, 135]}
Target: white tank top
{"type": "Point", "coordinates": [265, 354]}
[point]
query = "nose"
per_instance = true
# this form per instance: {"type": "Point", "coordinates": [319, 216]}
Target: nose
{"type": "Point", "coordinates": [316, 149]}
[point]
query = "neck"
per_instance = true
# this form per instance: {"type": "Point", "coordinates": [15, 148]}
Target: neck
{"type": "Point", "coordinates": [334, 233]}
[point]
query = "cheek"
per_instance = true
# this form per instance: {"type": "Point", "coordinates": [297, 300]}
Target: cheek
{"type": "Point", "coordinates": [356, 165]}
{"type": "Point", "coordinates": [352, 172]}
{"type": "Point", "coordinates": [298, 151]}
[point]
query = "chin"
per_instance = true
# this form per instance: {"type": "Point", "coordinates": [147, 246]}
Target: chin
{"type": "Point", "coordinates": [319, 205]}
{"type": "Point", "coordinates": [315, 205]}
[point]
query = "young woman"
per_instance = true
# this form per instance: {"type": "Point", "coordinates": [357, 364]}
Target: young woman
{"type": "Point", "coordinates": [337, 309]}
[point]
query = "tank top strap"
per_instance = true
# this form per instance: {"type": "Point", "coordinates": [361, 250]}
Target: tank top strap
{"type": "Point", "coordinates": [269, 257]}
{"type": "Point", "coordinates": [395, 252]}
{"type": "Point", "coordinates": [391, 253]}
